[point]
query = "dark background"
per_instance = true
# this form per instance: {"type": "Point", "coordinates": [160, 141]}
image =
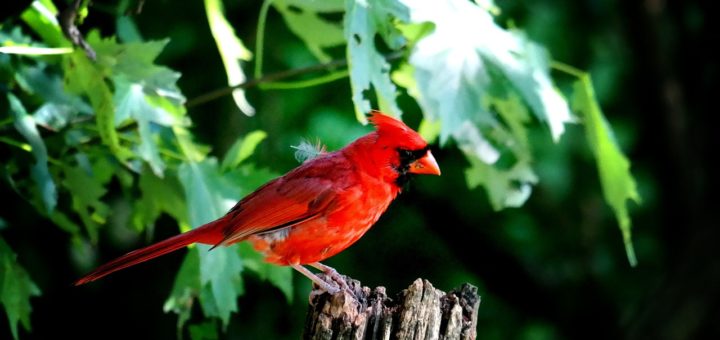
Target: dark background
{"type": "Point", "coordinates": [553, 269]}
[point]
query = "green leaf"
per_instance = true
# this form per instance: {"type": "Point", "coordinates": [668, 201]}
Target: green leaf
{"type": "Point", "coordinates": [144, 93]}
{"type": "Point", "coordinates": [368, 68]}
{"type": "Point", "coordinates": [41, 16]}
{"type": "Point", "coordinates": [478, 89]}
{"type": "Point", "coordinates": [192, 152]}
{"type": "Point", "coordinates": [204, 331]}
{"type": "Point", "coordinates": [232, 51]}
{"type": "Point", "coordinates": [87, 189]}
{"type": "Point", "coordinates": [127, 30]}
{"type": "Point", "coordinates": [25, 125]}
{"type": "Point", "coordinates": [186, 288]}
{"type": "Point", "coordinates": [158, 195]}
{"type": "Point", "coordinates": [505, 188]}
{"type": "Point", "coordinates": [35, 50]}
{"type": "Point", "coordinates": [132, 104]}
{"type": "Point", "coordinates": [59, 107]}
{"type": "Point", "coordinates": [220, 271]}
{"type": "Point", "coordinates": [85, 77]}
{"type": "Point", "coordinates": [242, 149]}
{"type": "Point", "coordinates": [617, 182]}
{"type": "Point", "coordinates": [16, 289]}
{"type": "Point", "coordinates": [429, 130]}
{"type": "Point", "coordinates": [209, 195]}
{"type": "Point", "coordinates": [317, 33]}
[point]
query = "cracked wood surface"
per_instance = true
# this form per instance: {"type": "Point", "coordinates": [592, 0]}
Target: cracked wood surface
{"type": "Point", "coordinates": [419, 312]}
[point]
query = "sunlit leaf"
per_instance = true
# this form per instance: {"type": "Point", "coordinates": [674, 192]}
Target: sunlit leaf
{"type": "Point", "coordinates": [452, 68]}
{"type": "Point", "coordinates": [232, 51]}
{"type": "Point", "coordinates": [477, 88]}
{"type": "Point", "coordinates": [369, 71]}
{"type": "Point", "coordinates": [41, 16]}
{"type": "Point", "coordinates": [617, 182]}
{"type": "Point", "coordinates": [242, 149]}
{"type": "Point", "coordinates": [16, 289]}
{"type": "Point", "coordinates": [34, 50]}
{"type": "Point", "coordinates": [25, 125]}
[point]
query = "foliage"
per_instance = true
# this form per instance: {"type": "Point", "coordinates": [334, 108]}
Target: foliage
{"type": "Point", "coordinates": [77, 127]}
{"type": "Point", "coordinates": [16, 289]}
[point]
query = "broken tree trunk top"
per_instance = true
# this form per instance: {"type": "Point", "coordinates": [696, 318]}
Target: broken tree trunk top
{"type": "Point", "coordinates": [419, 312]}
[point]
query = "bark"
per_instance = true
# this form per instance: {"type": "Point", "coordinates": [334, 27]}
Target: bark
{"type": "Point", "coordinates": [419, 312]}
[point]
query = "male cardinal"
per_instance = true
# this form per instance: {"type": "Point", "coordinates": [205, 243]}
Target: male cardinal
{"type": "Point", "coordinates": [314, 211]}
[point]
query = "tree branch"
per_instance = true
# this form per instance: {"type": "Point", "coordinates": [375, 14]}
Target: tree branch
{"type": "Point", "coordinates": [67, 23]}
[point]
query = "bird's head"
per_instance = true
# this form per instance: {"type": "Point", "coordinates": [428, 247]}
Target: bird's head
{"type": "Point", "coordinates": [400, 150]}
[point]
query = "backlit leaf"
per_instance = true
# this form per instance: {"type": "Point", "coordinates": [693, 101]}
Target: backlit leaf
{"type": "Point", "coordinates": [232, 51]}
{"type": "Point", "coordinates": [617, 182]}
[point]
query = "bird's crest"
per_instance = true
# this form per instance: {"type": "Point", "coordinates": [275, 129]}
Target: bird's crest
{"type": "Point", "coordinates": [396, 130]}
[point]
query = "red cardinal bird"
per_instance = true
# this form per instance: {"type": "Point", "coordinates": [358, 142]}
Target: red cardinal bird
{"type": "Point", "coordinates": [314, 211]}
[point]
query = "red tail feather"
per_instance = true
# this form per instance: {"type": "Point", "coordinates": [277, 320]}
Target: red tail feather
{"type": "Point", "coordinates": [204, 234]}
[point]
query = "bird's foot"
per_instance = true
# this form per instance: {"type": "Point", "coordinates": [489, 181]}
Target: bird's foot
{"type": "Point", "coordinates": [333, 274]}
{"type": "Point", "coordinates": [332, 282]}
{"type": "Point", "coordinates": [323, 286]}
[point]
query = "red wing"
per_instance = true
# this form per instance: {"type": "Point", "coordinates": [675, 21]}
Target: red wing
{"type": "Point", "coordinates": [281, 203]}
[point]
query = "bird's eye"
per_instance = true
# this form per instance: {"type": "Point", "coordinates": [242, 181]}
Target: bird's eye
{"type": "Point", "coordinates": [405, 155]}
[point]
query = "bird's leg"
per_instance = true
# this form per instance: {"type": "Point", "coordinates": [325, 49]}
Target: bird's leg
{"type": "Point", "coordinates": [333, 274]}
{"type": "Point", "coordinates": [318, 281]}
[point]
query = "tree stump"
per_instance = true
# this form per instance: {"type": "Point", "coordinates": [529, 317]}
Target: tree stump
{"type": "Point", "coordinates": [419, 312]}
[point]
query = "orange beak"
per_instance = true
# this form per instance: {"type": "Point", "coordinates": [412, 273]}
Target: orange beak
{"type": "Point", "coordinates": [427, 165]}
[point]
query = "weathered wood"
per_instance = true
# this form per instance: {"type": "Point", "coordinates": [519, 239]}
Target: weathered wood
{"type": "Point", "coordinates": [419, 312]}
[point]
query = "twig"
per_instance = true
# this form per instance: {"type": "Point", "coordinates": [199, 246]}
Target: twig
{"type": "Point", "coordinates": [71, 31]}
{"type": "Point", "coordinates": [224, 91]}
